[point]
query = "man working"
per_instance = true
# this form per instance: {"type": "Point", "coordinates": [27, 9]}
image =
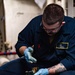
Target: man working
{"type": "Point", "coordinates": [47, 42]}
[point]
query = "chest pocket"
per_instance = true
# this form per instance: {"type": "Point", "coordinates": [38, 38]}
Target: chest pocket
{"type": "Point", "coordinates": [61, 48]}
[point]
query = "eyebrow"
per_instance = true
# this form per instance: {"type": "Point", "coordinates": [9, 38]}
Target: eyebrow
{"type": "Point", "coordinates": [49, 29]}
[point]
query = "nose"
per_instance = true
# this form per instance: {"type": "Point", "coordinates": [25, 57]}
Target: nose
{"type": "Point", "coordinates": [51, 31]}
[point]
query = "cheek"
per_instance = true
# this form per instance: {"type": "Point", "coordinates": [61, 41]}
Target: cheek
{"type": "Point", "coordinates": [55, 31]}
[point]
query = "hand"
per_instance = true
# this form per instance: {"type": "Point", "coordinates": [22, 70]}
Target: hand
{"type": "Point", "coordinates": [42, 72]}
{"type": "Point", "coordinates": [28, 55]}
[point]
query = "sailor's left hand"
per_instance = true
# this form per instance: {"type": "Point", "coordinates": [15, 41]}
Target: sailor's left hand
{"type": "Point", "coordinates": [42, 72]}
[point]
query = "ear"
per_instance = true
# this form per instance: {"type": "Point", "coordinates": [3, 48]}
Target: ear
{"type": "Point", "coordinates": [62, 23]}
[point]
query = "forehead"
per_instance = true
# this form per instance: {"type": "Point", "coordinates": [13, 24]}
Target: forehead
{"type": "Point", "coordinates": [55, 25]}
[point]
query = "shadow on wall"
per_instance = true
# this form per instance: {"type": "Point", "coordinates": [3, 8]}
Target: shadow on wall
{"type": "Point", "coordinates": [25, 1]}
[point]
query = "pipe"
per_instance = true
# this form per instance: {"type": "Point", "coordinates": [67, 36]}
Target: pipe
{"type": "Point", "coordinates": [8, 53]}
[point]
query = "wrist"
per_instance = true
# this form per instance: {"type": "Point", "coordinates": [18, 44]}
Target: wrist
{"type": "Point", "coordinates": [22, 49]}
{"type": "Point", "coordinates": [51, 71]}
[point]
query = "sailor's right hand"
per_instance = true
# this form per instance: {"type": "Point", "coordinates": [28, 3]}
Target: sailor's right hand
{"type": "Point", "coordinates": [28, 55]}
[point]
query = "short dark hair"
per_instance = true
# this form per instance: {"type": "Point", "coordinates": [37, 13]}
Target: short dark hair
{"type": "Point", "coordinates": [53, 13]}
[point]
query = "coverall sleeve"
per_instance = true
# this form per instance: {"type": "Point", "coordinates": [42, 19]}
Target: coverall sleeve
{"type": "Point", "coordinates": [25, 38]}
{"type": "Point", "coordinates": [69, 61]}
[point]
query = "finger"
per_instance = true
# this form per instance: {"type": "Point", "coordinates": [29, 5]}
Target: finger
{"type": "Point", "coordinates": [38, 73]}
{"type": "Point", "coordinates": [28, 60]}
{"type": "Point", "coordinates": [33, 59]}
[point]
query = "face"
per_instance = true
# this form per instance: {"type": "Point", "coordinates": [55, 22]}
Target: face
{"type": "Point", "coordinates": [52, 29]}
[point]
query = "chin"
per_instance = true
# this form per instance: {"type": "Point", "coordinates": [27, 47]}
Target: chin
{"type": "Point", "coordinates": [51, 34]}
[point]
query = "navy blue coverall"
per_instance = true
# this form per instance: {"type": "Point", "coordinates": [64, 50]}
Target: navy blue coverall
{"type": "Point", "coordinates": [60, 50]}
